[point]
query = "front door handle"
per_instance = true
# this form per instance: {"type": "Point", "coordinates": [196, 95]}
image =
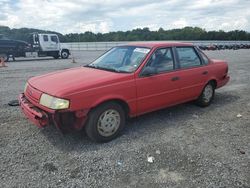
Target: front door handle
{"type": "Point", "coordinates": [175, 78]}
{"type": "Point", "coordinates": [205, 72]}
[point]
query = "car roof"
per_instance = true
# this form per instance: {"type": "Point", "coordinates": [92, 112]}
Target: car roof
{"type": "Point", "coordinates": [158, 44]}
{"type": "Point", "coordinates": [47, 34]}
{"type": "Point", "coordinates": [13, 41]}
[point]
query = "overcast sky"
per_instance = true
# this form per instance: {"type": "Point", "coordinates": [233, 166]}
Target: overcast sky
{"type": "Point", "coordinates": [66, 16]}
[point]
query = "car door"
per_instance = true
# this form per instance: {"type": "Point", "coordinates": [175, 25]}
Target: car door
{"type": "Point", "coordinates": [158, 90]}
{"type": "Point", "coordinates": [193, 72]}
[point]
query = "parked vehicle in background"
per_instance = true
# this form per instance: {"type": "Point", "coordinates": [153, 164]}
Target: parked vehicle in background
{"type": "Point", "coordinates": [15, 48]}
{"type": "Point", "coordinates": [126, 81]}
{"type": "Point", "coordinates": [224, 46]}
{"type": "Point", "coordinates": [40, 45]}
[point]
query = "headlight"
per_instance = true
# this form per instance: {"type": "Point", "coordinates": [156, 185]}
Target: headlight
{"type": "Point", "coordinates": [25, 86]}
{"type": "Point", "coordinates": [53, 102]}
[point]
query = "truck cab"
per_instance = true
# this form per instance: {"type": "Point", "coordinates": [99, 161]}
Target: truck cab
{"type": "Point", "coordinates": [46, 42]}
{"type": "Point", "coordinates": [48, 45]}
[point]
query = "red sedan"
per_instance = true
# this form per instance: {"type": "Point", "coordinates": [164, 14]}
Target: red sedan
{"type": "Point", "coordinates": [126, 81]}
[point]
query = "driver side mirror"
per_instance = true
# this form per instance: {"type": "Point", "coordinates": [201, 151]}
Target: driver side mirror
{"type": "Point", "coordinates": [148, 71]}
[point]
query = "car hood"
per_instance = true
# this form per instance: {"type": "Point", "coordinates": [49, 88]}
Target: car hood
{"type": "Point", "coordinates": [66, 82]}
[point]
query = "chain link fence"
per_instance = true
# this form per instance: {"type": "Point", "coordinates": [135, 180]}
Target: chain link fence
{"type": "Point", "coordinates": [102, 46]}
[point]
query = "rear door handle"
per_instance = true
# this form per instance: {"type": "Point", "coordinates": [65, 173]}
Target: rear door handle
{"type": "Point", "coordinates": [175, 78]}
{"type": "Point", "coordinates": [205, 72]}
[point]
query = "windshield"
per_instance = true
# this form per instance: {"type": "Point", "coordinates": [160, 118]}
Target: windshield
{"type": "Point", "coordinates": [121, 59]}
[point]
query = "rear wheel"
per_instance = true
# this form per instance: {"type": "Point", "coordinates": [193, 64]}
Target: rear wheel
{"type": "Point", "coordinates": [105, 122]}
{"type": "Point", "coordinates": [64, 54]}
{"type": "Point", "coordinates": [206, 96]}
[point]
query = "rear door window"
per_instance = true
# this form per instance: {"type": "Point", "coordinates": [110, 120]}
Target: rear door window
{"type": "Point", "coordinates": [188, 57]}
{"type": "Point", "coordinates": [205, 59]}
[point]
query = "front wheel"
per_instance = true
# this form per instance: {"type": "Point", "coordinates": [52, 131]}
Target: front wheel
{"type": "Point", "coordinates": [206, 96]}
{"type": "Point", "coordinates": [105, 122]}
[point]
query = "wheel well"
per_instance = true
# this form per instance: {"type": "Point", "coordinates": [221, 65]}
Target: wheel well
{"type": "Point", "coordinates": [120, 102]}
{"type": "Point", "coordinates": [65, 50]}
{"type": "Point", "coordinates": [214, 82]}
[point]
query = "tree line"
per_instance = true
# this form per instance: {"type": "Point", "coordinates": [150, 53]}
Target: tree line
{"type": "Point", "coordinates": [186, 33]}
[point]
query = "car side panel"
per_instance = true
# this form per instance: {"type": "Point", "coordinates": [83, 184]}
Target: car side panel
{"type": "Point", "coordinates": [124, 91]}
{"type": "Point", "coordinates": [155, 92]}
{"type": "Point", "coordinates": [192, 81]}
{"type": "Point", "coordinates": [219, 72]}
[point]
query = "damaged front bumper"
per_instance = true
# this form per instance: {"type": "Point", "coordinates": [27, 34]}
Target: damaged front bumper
{"type": "Point", "coordinates": [34, 114]}
{"type": "Point", "coordinates": [63, 120]}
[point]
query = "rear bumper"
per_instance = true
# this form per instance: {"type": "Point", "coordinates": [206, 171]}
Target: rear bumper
{"type": "Point", "coordinates": [34, 114]}
{"type": "Point", "coordinates": [223, 82]}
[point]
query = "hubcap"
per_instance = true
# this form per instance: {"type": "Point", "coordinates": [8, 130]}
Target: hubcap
{"type": "Point", "coordinates": [64, 54]}
{"type": "Point", "coordinates": [208, 93]}
{"type": "Point", "coordinates": [108, 122]}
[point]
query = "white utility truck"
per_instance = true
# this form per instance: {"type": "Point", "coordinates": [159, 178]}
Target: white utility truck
{"type": "Point", "coordinates": [39, 45]}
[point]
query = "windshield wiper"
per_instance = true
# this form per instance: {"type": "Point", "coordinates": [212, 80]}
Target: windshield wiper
{"type": "Point", "coordinates": [105, 68]}
{"type": "Point", "coordinates": [89, 65]}
{"type": "Point", "coordinates": [111, 69]}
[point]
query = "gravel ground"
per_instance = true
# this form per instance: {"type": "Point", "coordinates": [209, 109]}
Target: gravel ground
{"type": "Point", "coordinates": [191, 146]}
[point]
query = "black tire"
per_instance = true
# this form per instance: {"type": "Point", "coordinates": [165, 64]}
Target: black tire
{"type": "Point", "coordinates": [92, 127]}
{"type": "Point", "coordinates": [5, 57]}
{"type": "Point", "coordinates": [64, 54]}
{"type": "Point", "coordinates": [204, 98]}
